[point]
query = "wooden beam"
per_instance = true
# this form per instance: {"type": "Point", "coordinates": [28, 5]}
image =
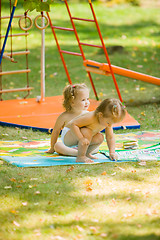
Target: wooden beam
{"type": "Point", "coordinates": [18, 53]}
{"type": "Point", "coordinates": [15, 16]}
{"type": "Point", "coordinates": [16, 35]}
{"type": "Point", "coordinates": [15, 72]}
{"type": "Point", "coordinates": [16, 90]}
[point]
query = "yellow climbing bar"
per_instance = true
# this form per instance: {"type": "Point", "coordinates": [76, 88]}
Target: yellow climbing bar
{"type": "Point", "coordinates": [15, 3]}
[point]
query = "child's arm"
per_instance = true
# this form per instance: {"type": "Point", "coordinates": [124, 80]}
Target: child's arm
{"type": "Point", "coordinates": [56, 131]}
{"type": "Point", "coordinates": [111, 143]}
{"type": "Point", "coordinates": [78, 122]}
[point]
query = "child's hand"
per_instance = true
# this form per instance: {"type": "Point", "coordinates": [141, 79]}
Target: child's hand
{"type": "Point", "coordinates": [50, 151]}
{"type": "Point", "coordinates": [113, 156]}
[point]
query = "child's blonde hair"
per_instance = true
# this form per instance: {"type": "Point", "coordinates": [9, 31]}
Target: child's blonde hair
{"type": "Point", "coordinates": [70, 92]}
{"type": "Point", "coordinates": [111, 107]}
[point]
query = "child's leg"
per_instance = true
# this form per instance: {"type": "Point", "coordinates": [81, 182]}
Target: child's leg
{"type": "Point", "coordinates": [83, 146]}
{"type": "Point", "coordinates": [61, 148]}
{"type": "Point", "coordinates": [94, 144]}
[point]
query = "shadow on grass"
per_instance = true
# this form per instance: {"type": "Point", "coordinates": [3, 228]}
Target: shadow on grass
{"type": "Point", "coordinates": [52, 193]}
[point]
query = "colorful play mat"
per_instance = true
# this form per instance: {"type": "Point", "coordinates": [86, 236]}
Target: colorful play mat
{"type": "Point", "coordinates": [32, 153]}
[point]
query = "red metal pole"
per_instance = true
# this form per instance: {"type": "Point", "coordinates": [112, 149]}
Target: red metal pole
{"type": "Point", "coordinates": [105, 51]}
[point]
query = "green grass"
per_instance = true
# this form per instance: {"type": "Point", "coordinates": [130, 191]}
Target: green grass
{"type": "Point", "coordinates": [53, 203]}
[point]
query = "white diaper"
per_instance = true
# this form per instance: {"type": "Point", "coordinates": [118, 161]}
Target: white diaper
{"type": "Point", "coordinates": [63, 133]}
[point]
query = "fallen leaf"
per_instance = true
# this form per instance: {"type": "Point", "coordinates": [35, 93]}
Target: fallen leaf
{"type": "Point", "coordinates": [103, 235]}
{"type": "Point", "coordinates": [155, 211]}
{"type": "Point", "coordinates": [113, 201]}
{"type": "Point", "coordinates": [36, 203]}
{"type": "Point", "coordinates": [37, 192]}
{"type": "Point", "coordinates": [79, 228]}
{"type": "Point", "coordinates": [88, 182]}
{"type": "Point", "coordinates": [12, 179]}
{"type": "Point", "coordinates": [16, 224]}
{"type": "Point", "coordinates": [143, 163]}
{"type": "Point", "coordinates": [143, 114]}
{"type": "Point", "coordinates": [137, 190]}
{"type": "Point", "coordinates": [101, 94]}
{"type": "Point", "coordinates": [89, 189]}
{"type": "Point", "coordinates": [126, 91]}
{"type": "Point", "coordinates": [128, 199]}
{"type": "Point", "coordinates": [139, 225]}
{"type": "Point", "coordinates": [140, 66]}
{"type": "Point", "coordinates": [128, 215]}
{"type": "Point", "coordinates": [13, 211]}
{"type": "Point", "coordinates": [103, 173]}
{"type": "Point", "coordinates": [113, 174]}
{"type": "Point", "coordinates": [70, 169]}
{"type": "Point", "coordinates": [24, 138]}
{"type": "Point", "coordinates": [122, 169]}
{"type": "Point", "coordinates": [21, 181]}
{"type": "Point", "coordinates": [24, 203]}
{"type": "Point", "coordinates": [7, 187]}
{"type": "Point", "coordinates": [142, 88]}
{"type": "Point", "coordinates": [93, 229]}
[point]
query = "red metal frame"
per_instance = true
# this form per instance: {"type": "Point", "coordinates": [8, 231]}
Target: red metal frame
{"type": "Point", "coordinates": [80, 44]}
{"type": "Point", "coordinates": [105, 51]}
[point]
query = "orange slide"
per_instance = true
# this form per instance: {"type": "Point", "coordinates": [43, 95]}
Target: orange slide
{"type": "Point", "coordinates": [103, 69]}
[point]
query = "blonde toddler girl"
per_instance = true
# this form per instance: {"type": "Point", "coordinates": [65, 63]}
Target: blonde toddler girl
{"type": "Point", "coordinates": [84, 130]}
{"type": "Point", "coordinates": [76, 102]}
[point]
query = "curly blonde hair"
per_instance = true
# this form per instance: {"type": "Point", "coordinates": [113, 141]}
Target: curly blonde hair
{"type": "Point", "coordinates": [111, 107]}
{"type": "Point", "coordinates": [70, 92]}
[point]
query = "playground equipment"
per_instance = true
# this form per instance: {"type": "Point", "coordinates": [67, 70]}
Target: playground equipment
{"type": "Point", "coordinates": [11, 54]}
{"type": "Point", "coordinates": [92, 66]}
{"type": "Point", "coordinates": [43, 114]}
{"type": "Point", "coordinates": [41, 27]}
{"type": "Point", "coordinates": [25, 26]}
{"type": "Point", "coordinates": [103, 69]}
{"type": "Point", "coordinates": [23, 20]}
{"type": "Point", "coordinates": [8, 29]}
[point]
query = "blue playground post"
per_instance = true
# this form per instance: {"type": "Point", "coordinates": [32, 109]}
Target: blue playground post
{"type": "Point", "coordinates": [8, 29]}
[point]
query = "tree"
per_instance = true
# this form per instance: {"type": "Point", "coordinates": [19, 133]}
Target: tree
{"type": "Point", "coordinates": [37, 5]}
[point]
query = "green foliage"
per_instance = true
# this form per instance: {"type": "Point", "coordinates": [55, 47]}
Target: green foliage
{"type": "Point", "coordinates": [37, 5]}
{"type": "Point", "coordinates": [134, 2]}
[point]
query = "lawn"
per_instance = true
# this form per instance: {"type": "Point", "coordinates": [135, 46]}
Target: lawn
{"type": "Point", "coordinates": [106, 201]}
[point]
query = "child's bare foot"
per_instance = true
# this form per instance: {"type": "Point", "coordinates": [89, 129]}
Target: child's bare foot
{"type": "Point", "coordinates": [84, 159]}
{"type": "Point", "coordinates": [50, 151]}
{"type": "Point", "coordinates": [92, 156]}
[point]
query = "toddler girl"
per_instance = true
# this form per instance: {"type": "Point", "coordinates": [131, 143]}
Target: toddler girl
{"type": "Point", "coordinates": [84, 130]}
{"type": "Point", "coordinates": [76, 102]}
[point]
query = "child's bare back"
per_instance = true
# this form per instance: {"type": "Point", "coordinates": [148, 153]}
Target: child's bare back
{"type": "Point", "coordinates": [85, 129]}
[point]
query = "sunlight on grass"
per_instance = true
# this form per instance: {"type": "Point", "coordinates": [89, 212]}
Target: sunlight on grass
{"type": "Point", "coordinates": [9, 203]}
{"type": "Point", "coordinates": [93, 202]}
{"type": "Point", "coordinates": [89, 202]}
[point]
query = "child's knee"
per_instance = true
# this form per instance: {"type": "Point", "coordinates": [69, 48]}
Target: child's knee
{"type": "Point", "coordinates": [84, 142]}
{"type": "Point", "coordinates": [100, 137]}
{"type": "Point", "coordinates": [57, 148]}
